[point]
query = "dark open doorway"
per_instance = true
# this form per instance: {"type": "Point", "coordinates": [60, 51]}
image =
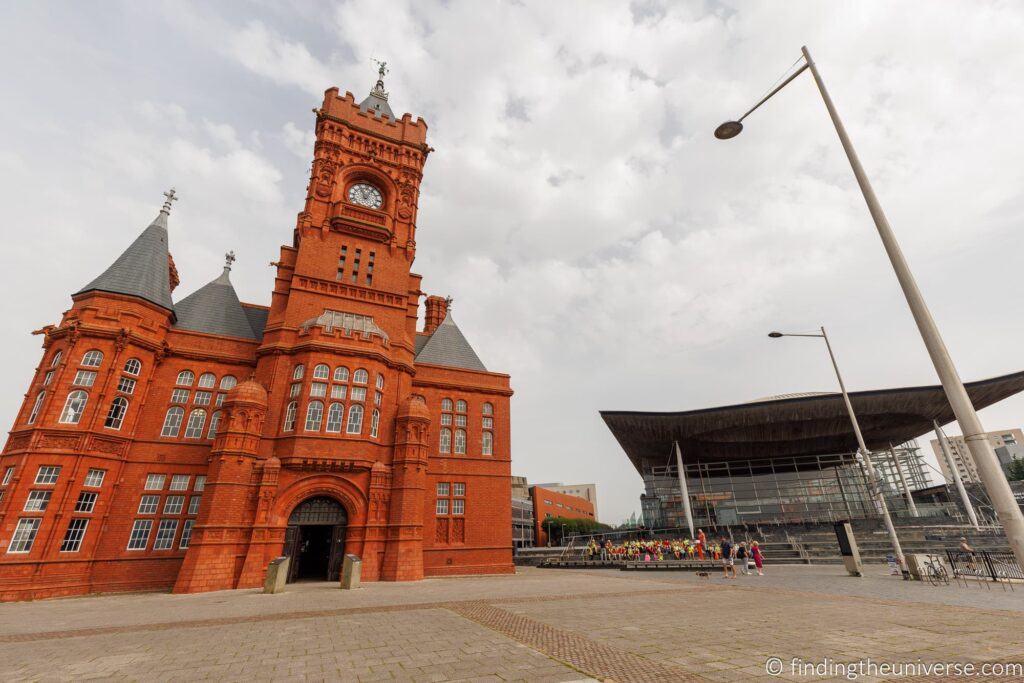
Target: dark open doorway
{"type": "Point", "coordinates": [315, 540]}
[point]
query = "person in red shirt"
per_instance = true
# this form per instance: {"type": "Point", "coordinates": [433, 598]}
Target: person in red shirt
{"type": "Point", "coordinates": [701, 543]}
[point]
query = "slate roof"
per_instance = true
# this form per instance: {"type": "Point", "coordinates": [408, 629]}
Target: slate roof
{"type": "Point", "coordinates": [377, 101]}
{"type": "Point", "coordinates": [143, 268]}
{"type": "Point", "coordinates": [215, 309]}
{"type": "Point", "coordinates": [257, 319]}
{"type": "Point", "coordinates": [448, 347]}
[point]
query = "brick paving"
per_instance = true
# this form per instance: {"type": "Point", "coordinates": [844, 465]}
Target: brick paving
{"type": "Point", "coordinates": [540, 625]}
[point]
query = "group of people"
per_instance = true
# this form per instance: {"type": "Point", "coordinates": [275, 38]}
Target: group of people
{"type": "Point", "coordinates": [730, 554]}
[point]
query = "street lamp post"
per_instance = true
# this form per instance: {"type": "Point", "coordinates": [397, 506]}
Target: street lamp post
{"type": "Point", "coordinates": [876, 491]}
{"type": "Point", "coordinates": [984, 455]}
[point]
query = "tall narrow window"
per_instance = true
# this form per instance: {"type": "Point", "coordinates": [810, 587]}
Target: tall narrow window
{"type": "Point", "coordinates": [214, 423]}
{"type": "Point", "coordinates": [341, 262]}
{"type": "Point", "coordinates": [133, 366]}
{"type": "Point", "coordinates": [74, 407]}
{"type": "Point", "coordinates": [374, 423]}
{"type": "Point", "coordinates": [92, 359]}
{"type": "Point", "coordinates": [36, 406]}
{"type": "Point", "coordinates": [446, 405]}
{"type": "Point", "coordinates": [139, 538]}
{"type": "Point", "coordinates": [446, 440]}
{"type": "Point", "coordinates": [314, 416]}
{"type": "Point", "coordinates": [299, 371]}
{"type": "Point", "coordinates": [8, 473]}
{"type": "Point", "coordinates": [369, 268]}
{"type": "Point", "coordinates": [380, 383]}
{"type": "Point", "coordinates": [165, 534]}
{"type": "Point", "coordinates": [186, 534]}
{"type": "Point", "coordinates": [55, 361]}
{"type": "Point", "coordinates": [74, 535]}
{"type": "Point", "coordinates": [185, 378]}
{"type": "Point", "coordinates": [460, 406]}
{"type": "Point", "coordinates": [196, 420]}
{"type": "Point", "coordinates": [460, 441]}
{"type": "Point", "coordinates": [335, 416]}
{"type": "Point", "coordinates": [355, 419]}
{"type": "Point", "coordinates": [115, 416]}
{"type": "Point", "coordinates": [172, 422]}
{"type": "Point", "coordinates": [24, 535]}
{"type": "Point", "coordinates": [487, 444]}
{"type": "Point", "coordinates": [289, 416]}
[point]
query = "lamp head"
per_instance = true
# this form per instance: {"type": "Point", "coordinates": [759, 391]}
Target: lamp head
{"type": "Point", "coordinates": [728, 130]}
{"type": "Point", "coordinates": [775, 335]}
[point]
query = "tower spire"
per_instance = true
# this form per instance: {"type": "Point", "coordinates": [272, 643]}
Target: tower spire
{"type": "Point", "coordinates": [171, 197]}
{"type": "Point", "coordinates": [376, 103]}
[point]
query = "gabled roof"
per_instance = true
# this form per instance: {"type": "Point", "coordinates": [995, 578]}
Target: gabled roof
{"type": "Point", "coordinates": [447, 346]}
{"type": "Point", "coordinates": [142, 270]}
{"type": "Point", "coordinates": [215, 309]}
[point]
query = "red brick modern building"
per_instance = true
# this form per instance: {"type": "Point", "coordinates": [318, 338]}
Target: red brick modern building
{"type": "Point", "coordinates": [182, 444]}
{"type": "Point", "coordinates": [548, 504]}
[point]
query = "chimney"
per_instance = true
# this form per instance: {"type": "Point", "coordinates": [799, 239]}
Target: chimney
{"type": "Point", "coordinates": [437, 308]}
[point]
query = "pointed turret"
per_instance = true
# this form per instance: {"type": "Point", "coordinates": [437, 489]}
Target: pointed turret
{"type": "Point", "coordinates": [377, 101]}
{"type": "Point", "coordinates": [144, 269]}
{"type": "Point", "coordinates": [215, 308]}
{"type": "Point", "coordinates": [448, 346]}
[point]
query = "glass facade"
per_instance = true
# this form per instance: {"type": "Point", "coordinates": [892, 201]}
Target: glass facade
{"type": "Point", "coordinates": [801, 489]}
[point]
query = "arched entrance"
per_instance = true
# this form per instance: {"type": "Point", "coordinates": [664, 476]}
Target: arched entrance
{"type": "Point", "coordinates": [315, 539]}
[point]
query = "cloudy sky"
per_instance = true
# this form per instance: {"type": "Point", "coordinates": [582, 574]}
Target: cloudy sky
{"type": "Point", "coordinates": [600, 245]}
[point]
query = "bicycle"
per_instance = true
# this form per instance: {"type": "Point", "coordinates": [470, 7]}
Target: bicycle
{"type": "Point", "coordinates": [936, 571]}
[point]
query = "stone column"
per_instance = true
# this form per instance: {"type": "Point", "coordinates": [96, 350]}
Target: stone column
{"type": "Point", "coordinates": [403, 555]}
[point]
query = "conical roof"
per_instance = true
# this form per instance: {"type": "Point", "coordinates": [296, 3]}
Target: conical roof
{"type": "Point", "coordinates": [215, 309]}
{"type": "Point", "coordinates": [448, 346]}
{"type": "Point", "coordinates": [376, 102]}
{"type": "Point", "coordinates": [143, 270]}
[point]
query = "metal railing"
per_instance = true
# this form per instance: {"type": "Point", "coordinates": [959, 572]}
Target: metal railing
{"type": "Point", "coordinates": [999, 566]}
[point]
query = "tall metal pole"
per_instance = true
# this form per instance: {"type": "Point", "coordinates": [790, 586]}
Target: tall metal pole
{"type": "Point", "coordinates": [683, 491]}
{"type": "Point", "coordinates": [955, 472]}
{"type": "Point", "coordinates": [903, 482]}
{"type": "Point", "coordinates": [984, 455]}
{"type": "Point", "coordinates": [875, 489]}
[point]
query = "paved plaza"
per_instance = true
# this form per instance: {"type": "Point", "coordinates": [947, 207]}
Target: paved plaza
{"type": "Point", "coordinates": [539, 625]}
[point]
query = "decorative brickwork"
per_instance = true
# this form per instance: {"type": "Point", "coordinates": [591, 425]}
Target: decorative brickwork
{"type": "Point", "coordinates": [199, 446]}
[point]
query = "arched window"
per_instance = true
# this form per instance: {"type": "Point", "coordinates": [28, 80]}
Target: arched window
{"type": "Point", "coordinates": [488, 409]}
{"type": "Point", "coordinates": [299, 371]}
{"type": "Point", "coordinates": [380, 382]}
{"type": "Point", "coordinates": [360, 376]}
{"type": "Point", "coordinates": [335, 416]}
{"type": "Point", "coordinates": [36, 406]}
{"type": "Point", "coordinates": [185, 378]}
{"type": "Point", "coordinates": [56, 359]}
{"type": "Point", "coordinates": [355, 420]}
{"type": "Point", "coordinates": [460, 441]}
{"type": "Point", "coordinates": [214, 423]}
{"type": "Point", "coordinates": [446, 405]}
{"type": "Point", "coordinates": [314, 416]}
{"type": "Point", "coordinates": [133, 366]}
{"type": "Point", "coordinates": [341, 374]}
{"type": "Point", "coordinates": [487, 444]}
{"type": "Point", "coordinates": [289, 416]}
{"type": "Point", "coordinates": [172, 421]}
{"type": "Point", "coordinates": [207, 380]}
{"type": "Point", "coordinates": [115, 416]}
{"type": "Point", "coordinates": [74, 406]}
{"type": "Point", "coordinates": [92, 359]}
{"type": "Point", "coordinates": [446, 440]}
{"type": "Point", "coordinates": [374, 423]}
{"type": "Point", "coordinates": [460, 406]}
{"type": "Point", "coordinates": [228, 382]}
{"type": "Point", "coordinates": [321, 371]}
{"type": "Point", "coordinates": [196, 420]}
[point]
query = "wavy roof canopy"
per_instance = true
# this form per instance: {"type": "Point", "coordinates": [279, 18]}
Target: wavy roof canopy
{"type": "Point", "coordinates": [801, 425]}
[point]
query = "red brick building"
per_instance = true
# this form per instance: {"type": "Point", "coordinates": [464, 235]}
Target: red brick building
{"type": "Point", "coordinates": [550, 504]}
{"type": "Point", "coordinates": [182, 444]}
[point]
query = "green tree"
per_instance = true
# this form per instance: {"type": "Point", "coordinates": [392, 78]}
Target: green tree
{"type": "Point", "coordinates": [1015, 470]}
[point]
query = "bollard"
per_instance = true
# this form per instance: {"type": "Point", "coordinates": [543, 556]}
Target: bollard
{"type": "Point", "coordinates": [277, 575]}
{"type": "Point", "coordinates": [351, 570]}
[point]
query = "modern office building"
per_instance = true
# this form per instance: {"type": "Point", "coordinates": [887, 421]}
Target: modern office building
{"type": "Point", "coordinates": [548, 504]}
{"type": "Point", "coordinates": [587, 492]}
{"type": "Point", "coordinates": [1008, 444]}
{"type": "Point", "coordinates": [787, 459]}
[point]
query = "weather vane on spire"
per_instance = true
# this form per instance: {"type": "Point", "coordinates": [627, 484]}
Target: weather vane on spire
{"type": "Point", "coordinates": [171, 197]}
{"type": "Point", "coordinates": [382, 70]}
{"type": "Point", "coordinates": [229, 258]}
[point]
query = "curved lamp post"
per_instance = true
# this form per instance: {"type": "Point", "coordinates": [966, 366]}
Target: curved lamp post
{"type": "Point", "coordinates": [875, 490]}
{"type": "Point", "coordinates": [984, 455]}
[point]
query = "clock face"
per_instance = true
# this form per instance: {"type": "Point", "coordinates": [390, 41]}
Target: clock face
{"type": "Point", "coordinates": [365, 195]}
